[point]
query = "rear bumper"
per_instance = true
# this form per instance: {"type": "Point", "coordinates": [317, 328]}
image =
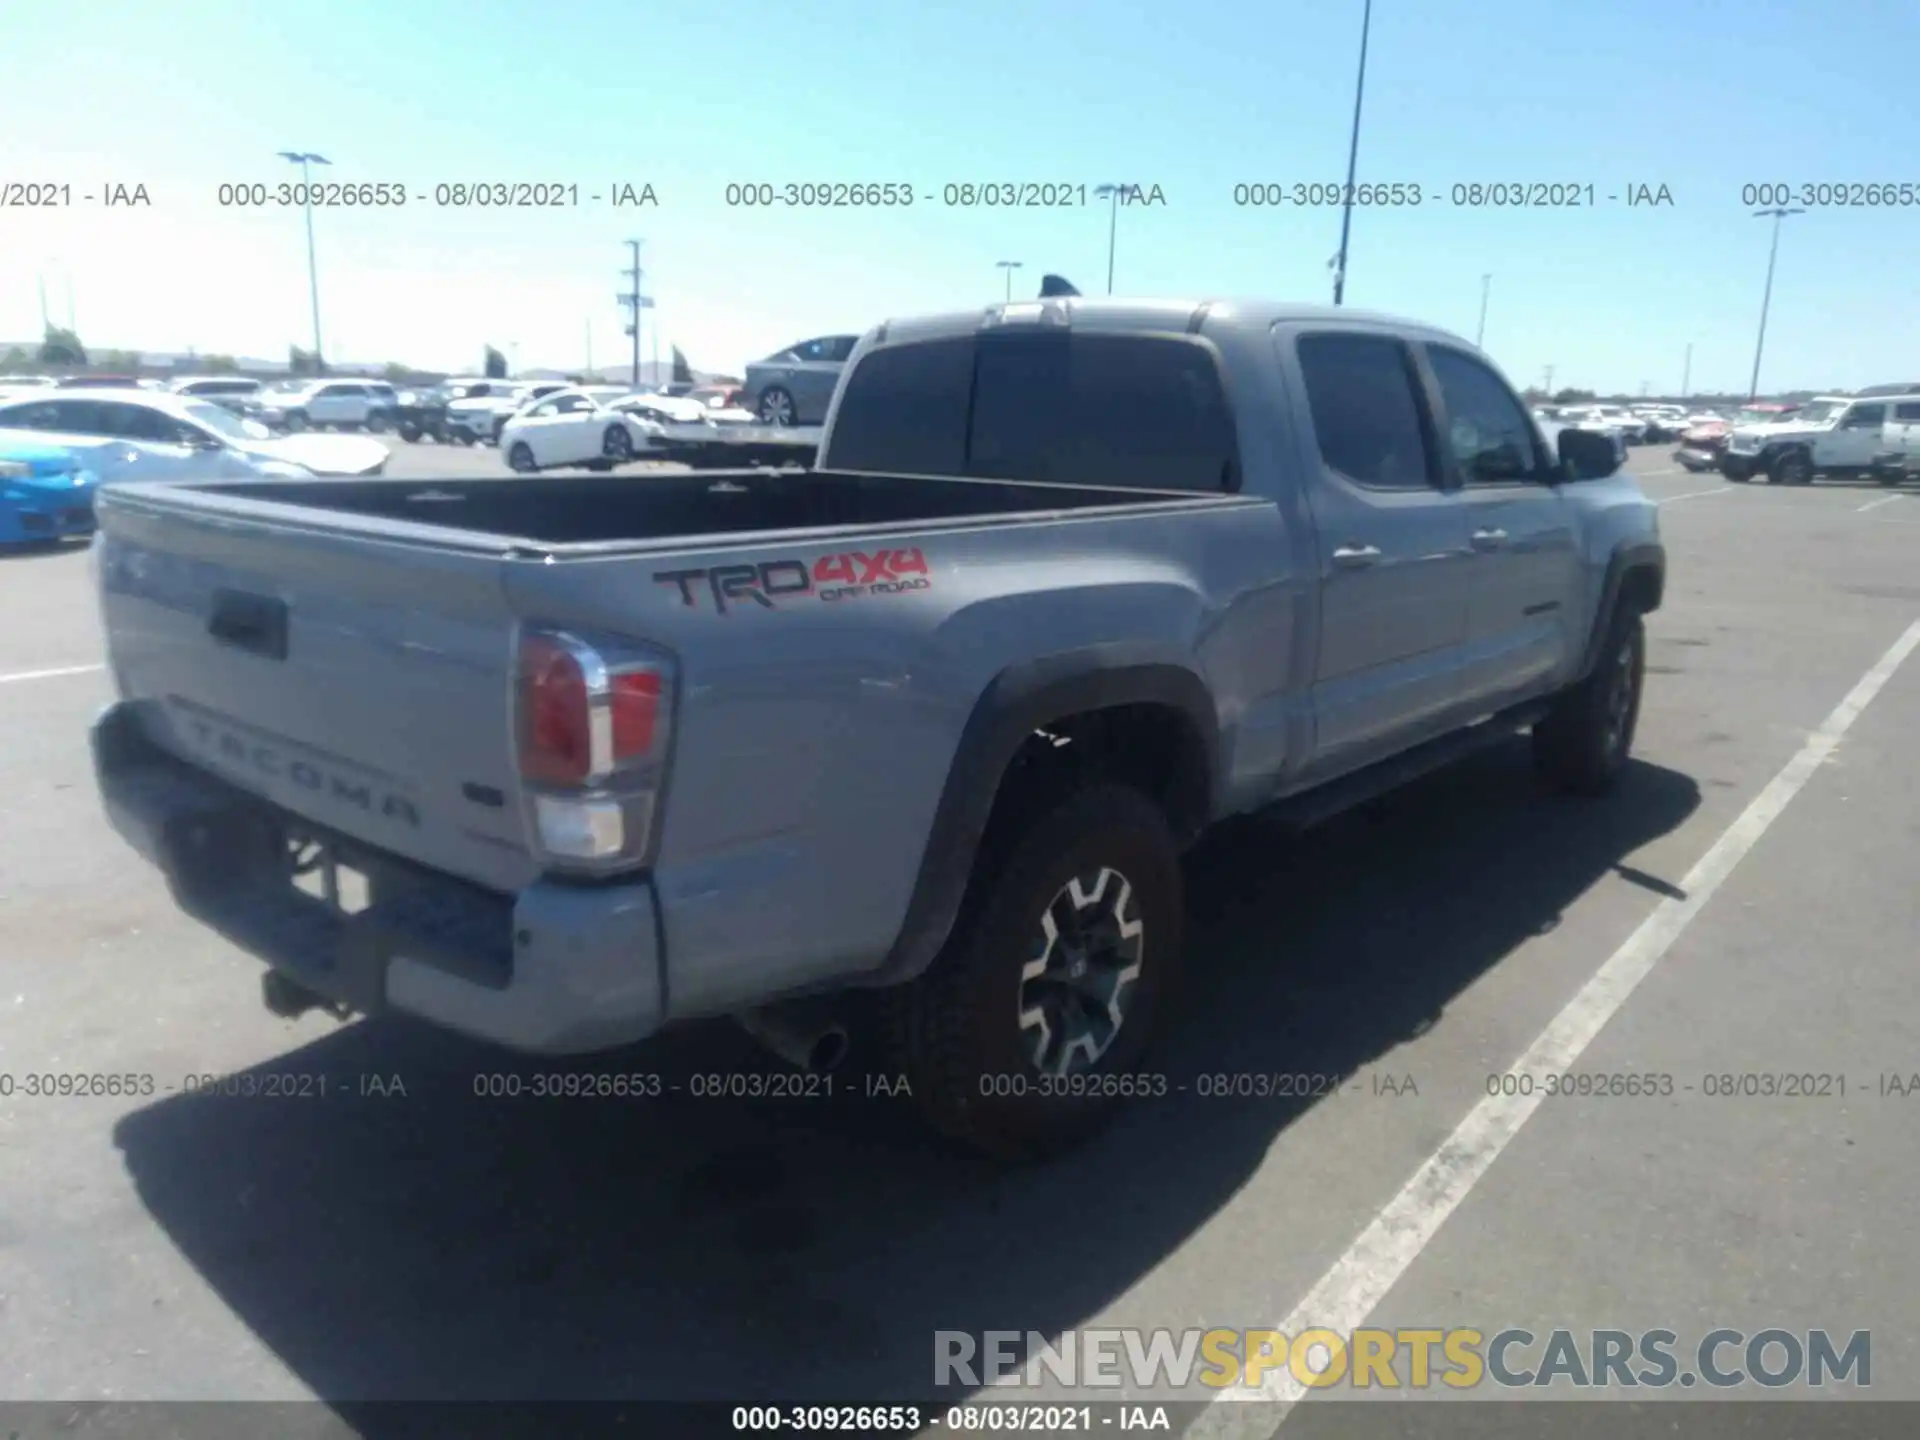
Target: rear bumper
{"type": "Point", "coordinates": [1696, 459]}
{"type": "Point", "coordinates": [1895, 464]}
{"type": "Point", "coordinates": [554, 969]}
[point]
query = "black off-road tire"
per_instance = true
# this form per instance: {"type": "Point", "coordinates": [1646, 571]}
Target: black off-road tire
{"type": "Point", "coordinates": [956, 1032]}
{"type": "Point", "coordinates": [1582, 744]}
{"type": "Point", "coordinates": [1794, 467]}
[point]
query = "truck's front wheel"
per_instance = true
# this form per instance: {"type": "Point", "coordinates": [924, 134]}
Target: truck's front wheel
{"type": "Point", "coordinates": [1030, 1028]}
{"type": "Point", "coordinates": [1582, 744]}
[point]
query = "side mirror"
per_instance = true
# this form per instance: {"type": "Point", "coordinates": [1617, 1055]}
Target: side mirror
{"type": "Point", "coordinates": [1588, 454]}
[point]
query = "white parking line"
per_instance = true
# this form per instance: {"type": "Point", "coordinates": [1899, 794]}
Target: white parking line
{"type": "Point", "coordinates": [1359, 1280]}
{"type": "Point", "coordinates": [49, 674]}
{"type": "Point", "coordinates": [1876, 504]}
{"type": "Point", "coordinates": [1691, 495]}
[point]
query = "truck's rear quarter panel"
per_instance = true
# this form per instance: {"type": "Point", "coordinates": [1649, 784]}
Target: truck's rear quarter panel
{"type": "Point", "coordinates": [815, 735]}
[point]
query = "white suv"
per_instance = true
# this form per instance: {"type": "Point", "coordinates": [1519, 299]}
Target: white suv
{"type": "Point", "coordinates": [342, 404]}
{"type": "Point", "coordinates": [1832, 435]}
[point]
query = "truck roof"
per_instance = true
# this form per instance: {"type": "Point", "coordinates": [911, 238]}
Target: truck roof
{"type": "Point", "coordinates": [1175, 316]}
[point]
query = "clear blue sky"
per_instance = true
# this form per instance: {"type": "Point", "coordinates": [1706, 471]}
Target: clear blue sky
{"type": "Point", "coordinates": [1702, 97]}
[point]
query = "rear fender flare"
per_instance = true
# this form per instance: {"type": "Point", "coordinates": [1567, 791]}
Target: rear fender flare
{"type": "Point", "coordinates": [1019, 700]}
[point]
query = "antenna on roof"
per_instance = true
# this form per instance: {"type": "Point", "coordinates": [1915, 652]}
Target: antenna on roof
{"type": "Point", "coordinates": [1054, 285]}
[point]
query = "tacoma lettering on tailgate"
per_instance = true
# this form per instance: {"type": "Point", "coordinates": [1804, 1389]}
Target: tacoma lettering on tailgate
{"type": "Point", "coordinates": [828, 578]}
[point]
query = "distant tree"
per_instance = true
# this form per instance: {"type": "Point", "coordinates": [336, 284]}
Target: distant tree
{"type": "Point", "coordinates": [1572, 397]}
{"type": "Point", "coordinates": [14, 362]}
{"type": "Point", "coordinates": [219, 364]}
{"type": "Point", "coordinates": [302, 362]}
{"type": "Point", "coordinates": [495, 367]}
{"type": "Point", "coordinates": [61, 347]}
{"type": "Point", "coordinates": [395, 373]}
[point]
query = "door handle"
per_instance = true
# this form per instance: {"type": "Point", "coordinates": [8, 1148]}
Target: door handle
{"type": "Point", "coordinates": [1352, 557]}
{"type": "Point", "coordinates": [1489, 539]}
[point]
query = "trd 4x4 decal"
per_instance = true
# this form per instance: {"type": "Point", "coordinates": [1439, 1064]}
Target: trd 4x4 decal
{"type": "Point", "coordinates": [829, 578]}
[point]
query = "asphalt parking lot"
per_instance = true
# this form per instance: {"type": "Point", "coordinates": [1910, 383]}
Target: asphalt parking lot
{"type": "Point", "coordinates": [401, 1238]}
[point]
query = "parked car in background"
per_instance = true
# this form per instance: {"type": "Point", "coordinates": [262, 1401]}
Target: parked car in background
{"type": "Point", "coordinates": [1702, 443]}
{"type": "Point", "coordinates": [573, 426]}
{"type": "Point", "coordinates": [479, 418]}
{"type": "Point", "coordinates": [794, 386]}
{"type": "Point", "coordinates": [386, 404]}
{"type": "Point", "coordinates": [25, 382]}
{"type": "Point", "coordinates": [322, 405]}
{"type": "Point", "coordinates": [100, 382]}
{"type": "Point", "coordinates": [420, 413]}
{"type": "Point", "coordinates": [46, 492]}
{"type": "Point", "coordinates": [1596, 419]}
{"type": "Point", "coordinates": [1632, 428]}
{"type": "Point", "coordinates": [725, 403]}
{"type": "Point", "coordinates": [1663, 422]}
{"type": "Point", "coordinates": [1835, 435]}
{"type": "Point", "coordinates": [229, 392]}
{"type": "Point", "coordinates": [137, 435]}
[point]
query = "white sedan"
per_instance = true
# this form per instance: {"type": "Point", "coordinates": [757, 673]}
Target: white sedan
{"type": "Point", "coordinates": [599, 426]}
{"type": "Point", "coordinates": [151, 435]}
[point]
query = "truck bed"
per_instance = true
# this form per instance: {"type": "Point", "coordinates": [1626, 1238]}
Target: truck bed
{"type": "Point", "coordinates": [581, 509]}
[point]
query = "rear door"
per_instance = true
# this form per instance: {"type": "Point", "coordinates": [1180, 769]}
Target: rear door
{"type": "Point", "coordinates": [1394, 563]}
{"type": "Point", "coordinates": [1522, 531]}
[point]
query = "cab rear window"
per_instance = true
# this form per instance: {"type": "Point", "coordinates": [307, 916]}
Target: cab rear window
{"type": "Point", "coordinates": [1138, 411]}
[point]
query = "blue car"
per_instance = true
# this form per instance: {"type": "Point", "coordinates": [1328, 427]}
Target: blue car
{"type": "Point", "coordinates": [45, 493]}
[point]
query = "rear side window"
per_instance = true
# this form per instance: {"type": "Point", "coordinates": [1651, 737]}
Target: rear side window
{"type": "Point", "coordinates": [1144, 412]}
{"type": "Point", "coordinates": [904, 409]}
{"type": "Point", "coordinates": [1365, 416]}
{"type": "Point", "coordinates": [1906, 412]}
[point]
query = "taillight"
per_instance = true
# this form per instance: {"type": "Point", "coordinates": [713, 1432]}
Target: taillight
{"type": "Point", "coordinates": [593, 718]}
{"type": "Point", "coordinates": [556, 741]}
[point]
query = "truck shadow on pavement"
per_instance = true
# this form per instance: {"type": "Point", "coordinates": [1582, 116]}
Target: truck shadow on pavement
{"type": "Point", "coordinates": [439, 1245]}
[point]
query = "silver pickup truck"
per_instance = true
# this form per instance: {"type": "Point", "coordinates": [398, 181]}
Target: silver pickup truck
{"type": "Point", "coordinates": [557, 761]}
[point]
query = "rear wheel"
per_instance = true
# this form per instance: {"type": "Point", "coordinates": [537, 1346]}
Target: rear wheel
{"type": "Point", "coordinates": [410, 433]}
{"type": "Point", "coordinates": [520, 458]}
{"type": "Point", "coordinates": [1029, 1029]}
{"type": "Point", "coordinates": [776, 406]}
{"type": "Point", "coordinates": [616, 445]}
{"type": "Point", "coordinates": [296, 421]}
{"type": "Point", "coordinates": [377, 424]}
{"type": "Point", "coordinates": [1582, 744]}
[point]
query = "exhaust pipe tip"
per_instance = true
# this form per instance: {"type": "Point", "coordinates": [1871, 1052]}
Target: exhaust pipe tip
{"type": "Point", "coordinates": [806, 1034]}
{"type": "Point", "coordinates": [828, 1050]}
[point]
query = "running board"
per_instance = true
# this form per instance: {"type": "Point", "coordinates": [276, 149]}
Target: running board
{"type": "Point", "coordinates": [1323, 802]}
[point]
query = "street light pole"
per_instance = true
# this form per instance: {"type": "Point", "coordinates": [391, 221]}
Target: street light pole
{"type": "Point", "coordinates": [1353, 159]}
{"type": "Point", "coordinates": [1686, 374]}
{"type": "Point", "coordinates": [1766, 300]}
{"type": "Point", "coordinates": [1009, 266]}
{"type": "Point", "coordinates": [1111, 194]}
{"type": "Point", "coordinates": [303, 159]}
{"type": "Point", "coordinates": [1480, 335]}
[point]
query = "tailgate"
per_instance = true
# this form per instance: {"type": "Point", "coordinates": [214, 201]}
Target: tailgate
{"type": "Point", "coordinates": [361, 683]}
